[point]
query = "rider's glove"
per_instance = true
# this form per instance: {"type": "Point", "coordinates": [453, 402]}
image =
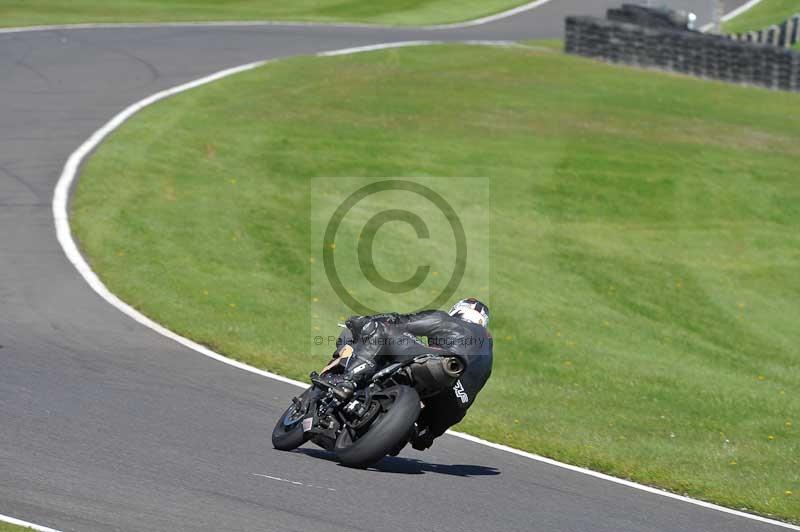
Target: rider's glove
{"type": "Point", "coordinates": [355, 323]}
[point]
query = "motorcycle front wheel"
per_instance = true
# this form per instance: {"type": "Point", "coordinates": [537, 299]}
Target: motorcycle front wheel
{"type": "Point", "coordinates": [288, 433]}
{"type": "Point", "coordinates": [401, 410]}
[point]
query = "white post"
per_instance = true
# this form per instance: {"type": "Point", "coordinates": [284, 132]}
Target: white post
{"type": "Point", "coordinates": [717, 11]}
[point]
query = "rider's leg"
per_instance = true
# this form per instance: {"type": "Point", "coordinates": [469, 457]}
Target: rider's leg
{"type": "Point", "coordinates": [379, 344]}
{"type": "Point", "coordinates": [441, 412]}
{"type": "Point", "coordinates": [363, 363]}
{"type": "Point", "coordinates": [344, 348]}
{"type": "Point", "coordinates": [382, 343]}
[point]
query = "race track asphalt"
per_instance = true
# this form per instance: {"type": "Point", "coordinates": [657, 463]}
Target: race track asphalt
{"type": "Point", "coordinates": [105, 425]}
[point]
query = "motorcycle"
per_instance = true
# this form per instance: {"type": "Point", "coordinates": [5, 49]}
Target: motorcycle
{"type": "Point", "coordinates": [376, 419]}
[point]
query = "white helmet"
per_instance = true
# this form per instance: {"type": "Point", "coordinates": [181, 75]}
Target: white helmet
{"type": "Point", "coordinates": [471, 310]}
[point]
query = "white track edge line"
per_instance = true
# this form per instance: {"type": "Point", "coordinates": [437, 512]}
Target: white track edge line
{"type": "Point", "coordinates": [64, 235]}
{"type": "Point", "coordinates": [372, 47]}
{"type": "Point", "coordinates": [735, 13]}
{"type": "Point", "coordinates": [628, 483]}
{"type": "Point", "coordinates": [741, 9]}
{"type": "Point", "coordinates": [491, 18]}
{"type": "Point", "coordinates": [289, 23]}
{"type": "Point", "coordinates": [19, 522]}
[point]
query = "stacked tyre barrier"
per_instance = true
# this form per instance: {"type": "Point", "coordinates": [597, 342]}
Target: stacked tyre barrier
{"type": "Point", "coordinates": [688, 52]}
{"type": "Point", "coordinates": [783, 35]}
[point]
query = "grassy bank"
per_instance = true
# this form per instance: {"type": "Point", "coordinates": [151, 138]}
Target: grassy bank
{"type": "Point", "coordinates": [26, 13]}
{"type": "Point", "coordinates": [644, 266]}
{"type": "Point", "coordinates": [5, 527]}
{"type": "Point", "coordinates": [763, 15]}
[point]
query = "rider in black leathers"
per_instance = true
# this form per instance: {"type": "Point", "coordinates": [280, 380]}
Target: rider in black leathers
{"type": "Point", "coordinates": [372, 342]}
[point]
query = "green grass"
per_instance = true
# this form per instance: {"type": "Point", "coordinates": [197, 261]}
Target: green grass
{"type": "Point", "coordinates": [763, 15]}
{"type": "Point", "coordinates": [556, 45]}
{"type": "Point", "coordinates": [645, 266]}
{"type": "Point", "coordinates": [5, 527]}
{"type": "Point", "coordinates": [27, 12]}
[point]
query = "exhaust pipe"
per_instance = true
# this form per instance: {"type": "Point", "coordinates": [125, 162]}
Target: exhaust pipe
{"type": "Point", "coordinates": [453, 367]}
{"type": "Point", "coordinates": [436, 374]}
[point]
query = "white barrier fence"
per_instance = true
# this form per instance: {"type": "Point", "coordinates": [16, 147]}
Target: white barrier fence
{"type": "Point", "coordinates": [784, 35]}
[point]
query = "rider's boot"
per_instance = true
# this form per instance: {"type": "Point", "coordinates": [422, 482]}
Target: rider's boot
{"type": "Point", "coordinates": [358, 372]}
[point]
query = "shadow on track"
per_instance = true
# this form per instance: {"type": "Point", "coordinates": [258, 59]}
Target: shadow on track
{"type": "Point", "coordinates": [411, 466]}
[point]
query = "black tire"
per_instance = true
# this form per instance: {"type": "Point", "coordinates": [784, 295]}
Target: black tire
{"type": "Point", "coordinates": [385, 432]}
{"type": "Point", "coordinates": [288, 433]}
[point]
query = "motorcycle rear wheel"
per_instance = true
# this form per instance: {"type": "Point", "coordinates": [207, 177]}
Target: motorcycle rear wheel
{"type": "Point", "coordinates": [384, 433]}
